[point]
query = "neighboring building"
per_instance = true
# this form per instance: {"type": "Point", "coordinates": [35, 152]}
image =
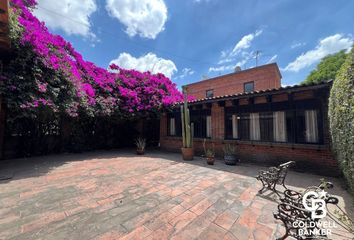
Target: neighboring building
{"type": "Point", "coordinates": [269, 125]}
{"type": "Point", "coordinates": [249, 80]}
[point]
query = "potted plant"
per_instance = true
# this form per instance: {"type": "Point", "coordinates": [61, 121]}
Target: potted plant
{"type": "Point", "coordinates": [140, 145]}
{"type": "Point", "coordinates": [230, 154]}
{"type": "Point", "coordinates": [187, 149]}
{"type": "Point", "coordinates": [209, 153]}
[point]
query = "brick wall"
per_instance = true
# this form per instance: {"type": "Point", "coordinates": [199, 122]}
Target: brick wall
{"type": "Point", "coordinates": [313, 158]}
{"type": "Point", "coordinates": [264, 77]}
{"type": "Point", "coordinates": [310, 159]}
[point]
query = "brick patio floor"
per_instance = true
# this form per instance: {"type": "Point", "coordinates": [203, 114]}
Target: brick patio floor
{"type": "Point", "coordinates": [118, 195]}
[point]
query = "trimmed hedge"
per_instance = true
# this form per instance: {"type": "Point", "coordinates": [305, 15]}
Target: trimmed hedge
{"type": "Point", "coordinates": [341, 116]}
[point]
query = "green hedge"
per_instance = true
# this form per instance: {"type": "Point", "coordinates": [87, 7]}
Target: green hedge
{"type": "Point", "coordinates": [341, 116]}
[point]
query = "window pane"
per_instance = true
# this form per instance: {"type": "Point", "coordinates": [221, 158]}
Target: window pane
{"type": "Point", "coordinates": [311, 126]}
{"type": "Point", "coordinates": [234, 127]}
{"type": "Point", "coordinates": [300, 127]}
{"type": "Point", "coordinates": [174, 124]}
{"type": "Point", "coordinates": [199, 120]}
{"type": "Point", "coordinates": [290, 126]}
{"type": "Point", "coordinates": [254, 127]}
{"type": "Point", "coordinates": [209, 93]}
{"type": "Point", "coordinates": [244, 127]}
{"type": "Point", "coordinates": [228, 126]}
{"type": "Point", "coordinates": [192, 129]}
{"type": "Point", "coordinates": [208, 126]}
{"type": "Point", "coordinates": [279, 125]}
{"type": "Point", "coordinates": [172, 127]}
{"type": "Point", "coordinates": [178, 124]}
{"type": "Point", "coordinates": [266, 126]}
{"type": "Point", "coordinates": [249, 87]}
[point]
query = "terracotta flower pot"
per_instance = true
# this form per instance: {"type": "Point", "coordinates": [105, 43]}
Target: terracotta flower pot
{"type": "Point", "coordinates": [140, 151]}
{"type": "Point", "coordinates": [187, 154]}
{"type": "Point", "coordinates": [210, 160]}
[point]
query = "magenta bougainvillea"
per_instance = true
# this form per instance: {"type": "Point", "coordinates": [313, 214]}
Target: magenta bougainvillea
{"type": "Point", "coordinates": [50, 73]}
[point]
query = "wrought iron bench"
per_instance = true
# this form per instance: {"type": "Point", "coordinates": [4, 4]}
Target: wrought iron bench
{"type": "Point", "coordinates": [292, 210]}
{"type": "Point", "coordinates": [274, 176]}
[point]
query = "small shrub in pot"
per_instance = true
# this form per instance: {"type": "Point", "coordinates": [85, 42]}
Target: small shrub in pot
{"type": "Point", "coordinates": [209, 153]}
{"type": "Point", "coordinates": [140, 145]}
{"type": "Point", "coordinates": [230, 154]}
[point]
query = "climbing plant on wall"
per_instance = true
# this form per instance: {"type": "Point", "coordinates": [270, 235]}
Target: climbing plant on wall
{"type": "Point", "coordinates": [47, 72]}
{"type": "Point", "coordinates": [341, 115]}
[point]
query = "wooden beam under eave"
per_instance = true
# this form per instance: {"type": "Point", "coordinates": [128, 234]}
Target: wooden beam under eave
{"type": "Point", "coordinates": [199, 106]}
{"type": "Point", "coordinates": [208, 105]}
{"type": "Point", "coordinates": [235, 102]}
{"type": "Point", "coordinates": [221, 103]}
{"type": "Point", "coordinates": [269, 98]}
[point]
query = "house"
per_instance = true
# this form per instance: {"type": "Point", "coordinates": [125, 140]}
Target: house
{"type": "Point", "coordinates": [268, 123]}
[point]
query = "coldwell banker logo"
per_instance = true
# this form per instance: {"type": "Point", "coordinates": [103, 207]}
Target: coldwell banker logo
{"type": "Point", "coordinates": [315, 203]}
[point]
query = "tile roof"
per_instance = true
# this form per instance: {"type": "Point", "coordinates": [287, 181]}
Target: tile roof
{"type": "Point", "coordinates": [264, 92]}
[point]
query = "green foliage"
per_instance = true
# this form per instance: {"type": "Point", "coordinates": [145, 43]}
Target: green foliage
{"type": "Point", "coordinates": [208, 152]}
{"type": "Point", "coordinates": [229, 149]}
{"type": "Point", "coordinates": [327, 68]}
{"type": "Point", "coordinates": [140, 143]}
{"type": "Point", "coordinates": [341, 116]}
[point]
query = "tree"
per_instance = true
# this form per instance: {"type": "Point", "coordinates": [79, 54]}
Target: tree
{"type": "Point", "coordinates": [341, 117]}
{"type": "Point", "coordinates": [46, 72]}
{"type": "Point", "coordinates": [327, 68]}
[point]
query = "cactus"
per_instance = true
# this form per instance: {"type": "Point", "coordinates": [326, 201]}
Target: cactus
{"type": "Point", "coordinates": [186, 126]}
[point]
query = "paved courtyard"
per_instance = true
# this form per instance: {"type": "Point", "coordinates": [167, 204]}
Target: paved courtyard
{"type": "Point", "coordinates": [118, 195]}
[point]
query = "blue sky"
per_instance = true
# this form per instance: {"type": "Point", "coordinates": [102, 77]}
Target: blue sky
{"type": "Point", "coordinates": [193, 39]}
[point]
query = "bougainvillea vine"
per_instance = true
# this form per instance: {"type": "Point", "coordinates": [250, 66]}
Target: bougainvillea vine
{"type": "Point", "coordinates": [48, 72]}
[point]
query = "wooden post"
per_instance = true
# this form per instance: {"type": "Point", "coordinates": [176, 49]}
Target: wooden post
{"type": "Point", "coordinates": [5, 47]}
{"type": "Point", "coordinates": [2, 128]}
{"type": "Point", "coordinates": [5, 44]}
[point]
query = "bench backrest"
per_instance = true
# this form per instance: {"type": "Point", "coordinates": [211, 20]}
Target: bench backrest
{"type": "Point", "coordinates": [283, 170]}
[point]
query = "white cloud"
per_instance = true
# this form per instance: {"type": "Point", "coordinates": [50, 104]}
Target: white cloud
{"type": "Point", "coordinates": [143, 17]}
{"type": "Point", "coordinates": [199, 1]}
{"type": "Point", "coordinates": [71, 16]}
{"type": "Point", "coordinates": [149, 62]}
{"type": "Point", "coordinates": [238, 54]}
{"type": "Point", "coordinates": [222, 68]}
{"type": "Point", "coordinates": [185, 72]}
{"type": "Point", "coordinates": [328, 45]}
{"type": "Point", "coordinates": [225, 63]}
{"type": "Point", "coordinates": [245, 42]}
{"type": "Point", "coordinates": [272, 59]}
{"type": "Point", "coordinates": [226, 60]}
{"type": "Point", "coordinates": [296, 45]}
